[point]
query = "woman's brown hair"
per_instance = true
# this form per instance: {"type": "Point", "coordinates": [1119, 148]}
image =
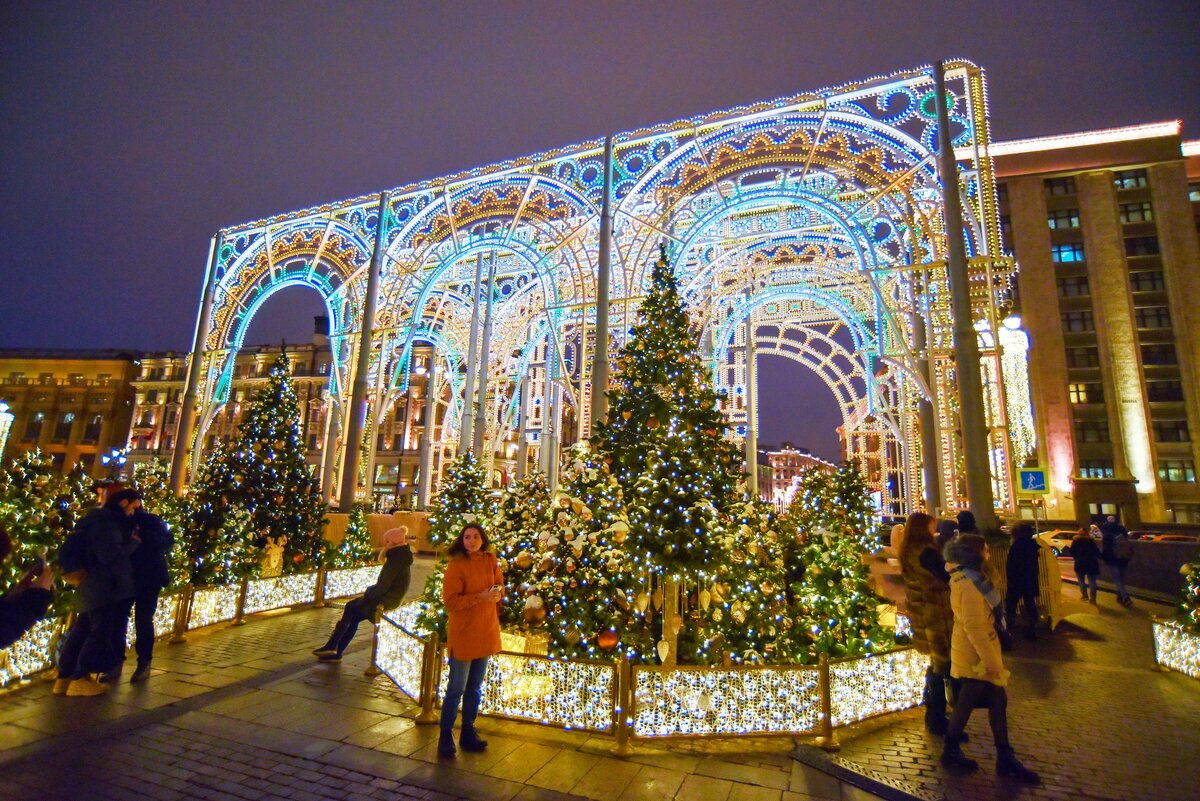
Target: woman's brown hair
{"type": "Point", "coordinates": [458, 549]}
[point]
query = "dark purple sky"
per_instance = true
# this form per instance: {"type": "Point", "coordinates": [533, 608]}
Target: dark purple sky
{"type": "Point", "coordinates": [131, 131]}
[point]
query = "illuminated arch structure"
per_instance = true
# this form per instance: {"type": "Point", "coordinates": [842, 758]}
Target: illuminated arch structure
{"type": "Point", "coordinates": [817, 217]}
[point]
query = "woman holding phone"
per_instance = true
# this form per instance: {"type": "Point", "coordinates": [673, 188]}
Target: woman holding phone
{"type": "Point", "coordinates": [471, 591]}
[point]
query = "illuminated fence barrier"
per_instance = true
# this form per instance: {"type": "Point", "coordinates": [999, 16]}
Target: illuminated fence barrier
{"type": "Point", "coordinates": [657, 701]}
{"type": "Point", "coordinates": [349, 581]}
{"type": "Point", "coordinates": [671, 702]}
{"type": "Point", "coordinates": [164, 617]}
{"type": "Point", "coordinates": [30, 654]}
{"type": "Point", "coordinates": [867, 686]}
{"type": "Point", "coordinates": [275, 593]}
{"type": "Point", "coordinates": [1177, 648]}
{"type": "Point", "coordinates": [211, 605]}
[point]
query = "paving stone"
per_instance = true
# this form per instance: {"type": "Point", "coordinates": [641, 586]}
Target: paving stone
{"type": "Point", "coordinates": [704, 788]}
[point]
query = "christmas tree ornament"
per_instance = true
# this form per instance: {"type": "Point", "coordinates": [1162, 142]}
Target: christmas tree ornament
{"type": "Point", "coordinates": [663, 648]}
{"type": "Point", "coordinates": [607, 640]}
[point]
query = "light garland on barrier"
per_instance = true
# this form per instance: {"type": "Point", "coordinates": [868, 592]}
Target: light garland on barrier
{"type": "Point", "coordinates": [716, 701]}
{"type": "Point", "coordinates": [862, 688]}
{"type": "Point", "coordinates": [274, 593]}
{"type": "Point", "coordinates": [1177, 648]}
{"type": "Point", "coordinates": [29, 654]}
{"type": "Point", "coordinates": [349, 581]}
{"type": "Point", "coordinates": [399, 655]}
{"type": "Point", "coordinates": [164, 618]}
{"type": "Point", "coordinates": [213, 605]}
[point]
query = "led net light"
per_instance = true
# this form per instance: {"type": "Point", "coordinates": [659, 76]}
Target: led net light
{"type": "Point", "coordinates": [164, 618]}
{"type": "Point", "coordinates": [213, 605]}
{"type": "Point", "coordinates": [29, 654]}
{"type": "Point", "coordinates": [861, 688]}
{"type": "Point", "coordinates": [718, 701]}
{"type": "Point", "coordinates": [273, 593]}
{"type": "Point", "coordinates": [398, 655]}
{"type": "Point", "coordinates": [1177, 649]}
{"type": "Point", "coordinates": [350, 581]}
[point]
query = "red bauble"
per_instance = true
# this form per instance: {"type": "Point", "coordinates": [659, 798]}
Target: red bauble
{"type": "Point", "coordinates": [607, 640]}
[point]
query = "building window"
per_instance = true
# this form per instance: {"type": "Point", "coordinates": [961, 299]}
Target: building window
{"type": "Point", "coordinates": [1067, 253]}
{"type": "Point", "coordinates": [1078, 321]}
{"type": "Point", "coordinates": [312, 442]}
{"type": "Point", "coordinates": [1177, 470]}
{"type": "Point", "coordinates": [33, 426]}
{"type": "Point", "coordinates": [1184, 512]}
{"type": "Point", "coordinates": [1075, 286]}
{"type": "Point", "coordinates": [1002, 193]}
{"type": "Point", "coordinates": [1006, 229]}
{"type": "Point", "coordinates": [1096, 468]}
{"type": "Point", "coordinates": [1159, 354]}
{"type": "Point", "coordinates": [1137, 212]}
{"type": "Point", "coordinates": [171, 417]}
{"type": "Point", "coordinates": [1141, 246]}
{"type": "Point", "coordinates": [1064, 218]}
{"type": "Point", "coordinates": [1170, 430]}
{"type": "Point", "coordinates": [1129, 179]}
{"type": "Point", "coordinates": [1147, 281]}
{"type": "Point", "coordinates": [152, 396]}
{"type": "Point", "coordinates": [1153, 317]}
{"type": "Point", "coordinates": [1164, 390]}
{"type": "Point", "coordinates": [1091, 431]}
{"type": "Point", "coordinates": [62, 428]}
{"type": "Point", "coordinates": [91, 431]}
{"type": "Point", "coordinates": [1087, 392]}
{"type": "Point", "coordinates": [1194, 193]}
{"type": "Point", "coordinates": [1060, 186]}
{"type": "Point", "coordinates": [1088, 356]}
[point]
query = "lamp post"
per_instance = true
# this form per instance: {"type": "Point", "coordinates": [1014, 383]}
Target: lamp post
{"type": "Point", "coordinates": [114, 460]}
{"type": "Point", "coordinates": [6, 421]}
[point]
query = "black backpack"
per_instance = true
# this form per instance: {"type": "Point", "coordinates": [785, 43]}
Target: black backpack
{"type": "Point", "coordinates": [73, 555]}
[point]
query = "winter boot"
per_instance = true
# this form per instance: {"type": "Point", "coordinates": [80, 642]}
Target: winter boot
{"type": "Point", "coordinates": [953, 757]}
{"type": "Point", "coordinates": [1007, 764]}
{"type": "Point", "coordinates": [469, 740]}
{"type": "Point", "coordinates": [141, 674]}
{"type": "Point", "coordinates": [446, 749]}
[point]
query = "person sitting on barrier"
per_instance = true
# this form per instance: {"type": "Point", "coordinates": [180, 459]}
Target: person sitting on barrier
{"type": "Point", "coordinates": [28, 600]}
{"type": "Point", "coordinates": [975, 659]}
{"type": "Point", "coordinates": [386, 593]}
{"type": "Point", "coordinates": [471, 590]}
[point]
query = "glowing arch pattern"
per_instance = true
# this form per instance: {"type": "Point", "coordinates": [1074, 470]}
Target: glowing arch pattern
{"type": "Point", "coordinates": [819, 216]}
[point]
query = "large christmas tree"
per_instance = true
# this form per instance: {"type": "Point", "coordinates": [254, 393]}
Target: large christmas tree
{"type": "Point", "coordinates": [260, 487]}
{"type": "Point", "coordinates": [152, 479]}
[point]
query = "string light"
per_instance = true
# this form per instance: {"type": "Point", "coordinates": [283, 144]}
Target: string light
{"type": "Point", "coordinates": [1177, 648]}
{"type": "Point", "coordinates": [350, 581]}
{"type": "Point", "coordinates": [30, 654]}
{"type": "Point", "coordinates": [213, 605]}
{"type": "Point", "coordinates": [274, 593]}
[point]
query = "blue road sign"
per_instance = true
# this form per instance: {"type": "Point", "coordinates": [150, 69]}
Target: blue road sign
{"type": "Point", "coordinates": [1032, 479]}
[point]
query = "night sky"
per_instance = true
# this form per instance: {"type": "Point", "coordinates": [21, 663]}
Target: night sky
{"type": "Point", "coordinates": [130, 132]}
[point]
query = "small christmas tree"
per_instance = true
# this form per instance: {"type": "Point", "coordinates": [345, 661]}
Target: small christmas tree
{"type": "Point", "coordinates": [264, 477]}
{"type": "Point", "coordinates": [355, 548]}
{"type": "Point", "coordinates": [522, 517]}
{"type": "Point", "coordinates": [217, 547]}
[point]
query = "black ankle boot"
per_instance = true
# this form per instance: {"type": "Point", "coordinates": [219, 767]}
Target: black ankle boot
{"type": "Point", "coordinates": [1007, 764]}
{"type": "Point", "coordinates": [469, 740]}
{"type": "Point", "coordinates": [446, 749]}
{"type": "Point", "coordinates": [953, 757]}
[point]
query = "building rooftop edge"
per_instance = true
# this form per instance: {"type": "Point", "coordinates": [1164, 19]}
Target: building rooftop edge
{"type": "Point", "coordinates": [1101, 136]}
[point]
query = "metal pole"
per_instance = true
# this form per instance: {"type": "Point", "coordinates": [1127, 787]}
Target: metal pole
{"type": "Point", "coordinates": [966, 346]}
{"type": "Point", "coordinates": [484, 352]}
{"type": "Point", "coordinates": [425, 455]}
{"type": "Point", "coordinates": [464, 435]}
{"type": "Point", "coordinates": [358, 391]}
{"type": "Point", "coordinates": [603, 270]}
{"type": "Point", "coordinates": [329, 453]}
{"type": "Point", "coordinates": [522, 423]}
{"type": "Point", "coordinates": [187, 415]}
{"type": "Point", "coordinates": [751, 408]}
{"type": "Point", "coordinates": [928, 422]}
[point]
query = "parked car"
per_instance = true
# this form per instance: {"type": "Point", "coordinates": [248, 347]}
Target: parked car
{"type": "Point", "coordinates": [1059, 540]}
{"type": "Point", "coordinates": [1171, 538]}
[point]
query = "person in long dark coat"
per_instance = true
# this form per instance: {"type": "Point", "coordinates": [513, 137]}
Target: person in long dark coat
{"type": "Point", "coordinates": [100, 597]}
{"type": "Point", "coordinates": [150, 576]}
{"type": "Point", "coordinates": [386, 593]}
{"type": "Point", "coordinates": [1086, 555]}
{"type": "Point", "coordinates": [1022, 573]}
{"type": "Point", "coordinates": [927, 592]}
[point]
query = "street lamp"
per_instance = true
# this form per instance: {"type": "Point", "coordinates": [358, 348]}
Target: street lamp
{"type": "Point", "coordinates": [114, 460]}
{"type": "Point", "coordinates": [6, 421]}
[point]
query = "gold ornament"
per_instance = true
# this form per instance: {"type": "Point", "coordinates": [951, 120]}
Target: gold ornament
{"type": "Point", "coordinates": [573, 636]}
{"type": "Point", "coordinates": [663, 649]}
{"type": "Point", "coordinates": [642, 602]}
{"type": "Point", "coordinates": [652, 423]}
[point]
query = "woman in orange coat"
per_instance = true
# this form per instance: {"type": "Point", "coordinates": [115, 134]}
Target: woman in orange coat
{"type": "Point", "coordinates": [471, 591]}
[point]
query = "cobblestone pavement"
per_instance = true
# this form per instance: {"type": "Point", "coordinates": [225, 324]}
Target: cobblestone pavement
{"type": "Point", "coordinates": [1087, 710]}
{"type": "Point", "coordinates": [244, 712]}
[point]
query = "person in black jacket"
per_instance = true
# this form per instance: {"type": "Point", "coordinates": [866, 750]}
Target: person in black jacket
{"type": "Point", "coordinates": [1086, 555]}
{"type": "Point", "coordinates": [27, 602]}
{"type": "Point", "coordinates": [1022, 572]}
{"type": "Point", "coordinates": [150, 576]}
{"type": "Point", "coordinates": [99, 598]}
{"type": "Point", "coordinates": [387, 592]}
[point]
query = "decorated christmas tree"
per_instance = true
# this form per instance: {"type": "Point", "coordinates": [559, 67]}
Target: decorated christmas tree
{"type": "Point", "coordinates": [38, 508]}
{"type": "Point", "coordinates": [1189, 609]}
{"type": "Point", "coordinates": [522, 517]}
{"type": "Point", "coordinates": [217, 548]}
{"type": "Point", "coordinates": [260, 489]}
{"type": "Point", "coordinates": [356, 548]}
{"type": "Point", "coordinates": [152, 479]}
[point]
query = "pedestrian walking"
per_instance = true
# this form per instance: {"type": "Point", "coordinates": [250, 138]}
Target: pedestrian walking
{"type": "Point", "coordinates": [1117, 551]}
{"type": "Point", "coordinates": [1021, 570]}
{"type": "Point", "coordinates": [976, 659]}
{"type": "Point", "coordinates": [1086, 555]}
{"type": "Point", "coordinates": [927, 591]}
{"type": "Point", "coordinates": [100, 596]}
{"type": "Point", "coordinates": [386, 593]}
{"type": "Point", "coordinates": [471, 591]}
{"type": "Point", "coordinates": [150, 577]}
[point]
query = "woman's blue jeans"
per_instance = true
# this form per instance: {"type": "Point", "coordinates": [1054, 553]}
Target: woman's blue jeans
{"type": "Point", "coordinates": [466, 681]}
